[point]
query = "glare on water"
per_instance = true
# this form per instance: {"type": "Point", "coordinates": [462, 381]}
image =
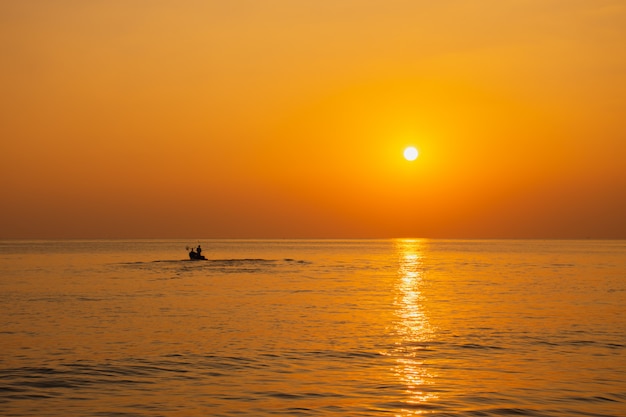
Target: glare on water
{"type": "Point", "coordinates": [412, 325]}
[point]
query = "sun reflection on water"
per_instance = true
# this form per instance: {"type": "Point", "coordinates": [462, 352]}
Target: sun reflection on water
{"type": "Point", "coordinates": [412, 328]}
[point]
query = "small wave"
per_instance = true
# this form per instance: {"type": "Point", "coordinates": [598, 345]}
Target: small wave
{"type": "Point", "coordinates": [477, 346]}
{"type": "Point", "coordinates": [405, 405]}
{"type": "Point", "coordinates": [511, 412]}
{"type": "Point", "coordinates": [562, 265]}
{"type": "Point", "coordinates": [595, 399]}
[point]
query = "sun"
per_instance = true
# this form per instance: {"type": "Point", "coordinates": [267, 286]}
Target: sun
{"type": "Point", "coordinates": [410, 153]}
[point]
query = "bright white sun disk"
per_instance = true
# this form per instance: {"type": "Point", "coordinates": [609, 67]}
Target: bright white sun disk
{"type": "Point", "coordinates": [410, 153]}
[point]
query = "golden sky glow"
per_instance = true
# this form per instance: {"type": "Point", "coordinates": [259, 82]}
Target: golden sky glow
{"type": "Point", "coordinates": [285, 118]}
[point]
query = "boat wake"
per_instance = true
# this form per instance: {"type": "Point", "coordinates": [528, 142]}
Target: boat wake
{"type": "Point", "coordinates": [232, 265]}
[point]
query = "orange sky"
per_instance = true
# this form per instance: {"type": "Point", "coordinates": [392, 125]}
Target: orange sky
{"type": "Point", "coordinates": [281, 118]}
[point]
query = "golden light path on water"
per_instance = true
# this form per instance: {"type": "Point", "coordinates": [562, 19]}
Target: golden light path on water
{"type": "Point", "coordinates": [412, 326]}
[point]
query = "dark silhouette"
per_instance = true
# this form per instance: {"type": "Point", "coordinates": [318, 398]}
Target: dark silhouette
{"type": "Point", "coordinates": [197, 254]}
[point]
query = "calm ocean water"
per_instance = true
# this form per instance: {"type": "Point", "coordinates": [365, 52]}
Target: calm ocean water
{"type": "Point", "coordinates": [313, 328]}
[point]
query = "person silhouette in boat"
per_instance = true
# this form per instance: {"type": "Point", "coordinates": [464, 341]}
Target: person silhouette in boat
{"type": "Point", "coordinates": [196, 254]}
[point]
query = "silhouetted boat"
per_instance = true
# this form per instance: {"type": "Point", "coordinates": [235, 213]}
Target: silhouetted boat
{"type": "Point", "coordinates": [196, 255]}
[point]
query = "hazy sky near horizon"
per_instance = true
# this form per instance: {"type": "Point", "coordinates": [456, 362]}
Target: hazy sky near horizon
{"type": "Point", "coordinates": [285, 118]}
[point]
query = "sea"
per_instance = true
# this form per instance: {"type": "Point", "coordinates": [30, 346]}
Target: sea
{"type": "Point", "coordinates": [393, 327]}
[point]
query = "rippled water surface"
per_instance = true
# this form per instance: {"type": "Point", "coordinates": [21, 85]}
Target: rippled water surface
{"type": "Point", "coordinates": [313, 328]}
